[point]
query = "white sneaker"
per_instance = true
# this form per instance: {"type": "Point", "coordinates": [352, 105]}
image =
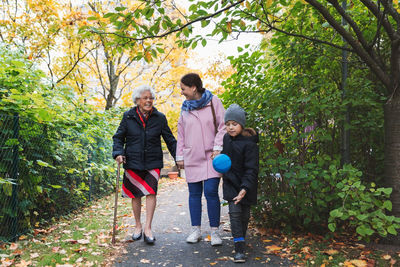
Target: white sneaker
{"type": "Point", "coordinates": [195, 236]}
{"type": "Point", "coordinates": [216, 238]}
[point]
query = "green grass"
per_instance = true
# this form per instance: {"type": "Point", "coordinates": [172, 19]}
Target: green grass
{"type": "Point", "coordinates": [82, 238]}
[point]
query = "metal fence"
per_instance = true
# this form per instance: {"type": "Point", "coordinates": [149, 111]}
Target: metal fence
{"type": "Point", "coordinates": [46, 172]}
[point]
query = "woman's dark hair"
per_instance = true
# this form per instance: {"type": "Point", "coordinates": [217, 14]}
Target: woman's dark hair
{"type": "Point", "coordinates": [193, 79]}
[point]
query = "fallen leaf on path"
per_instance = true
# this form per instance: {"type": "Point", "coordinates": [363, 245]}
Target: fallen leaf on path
{"type": "Point", "coordinates": [13, 246]}
{"type": "Point", "coordinates": [273, 249]}
{"type": "Point", "coordinates": [370, 263]}
{"type": "Point", "coordinates": [38, 231]}
{"type": "Point", "coordinates": [55, 249]}
{"type": "Point", "coordinates": [359, 263]}
{"type": "Point", "coordinates": [213, 263]}
{"type": "Point", "coordinates": [356, 263]}
{"type": "Point", "coordinates": [331, 252]}
{"type": "Point", "coordinates": [22, 237]}
{"type": "Point", "coordinates": [360, 245]}
{"type": "Point", "coordinates": [262, 231]}
{"type": "Point", "coordinates": [17, 252]}
{"type": "Point", "coordinates": [144, 261]}
{"type": "Point", "coordinates": [305, 250]}
{"type": "Point", "coordinates": [72, 241]}
{"type": "Point", "coordinates": [224, 258]}
{"type": "Point", "coordinates": [83, 241]}
{"type": "Point", "coordinates": [267, 240]}
{"type": "Point", "coordinates": [348, 264]}
{"type": "Point", "coordinates": [34, 255]}
{"type": "Point", "coordinates": [386, 257]}
{"type": "Point", "coordinates": [392, 262]}
{"type": "Point", "coordinates": [7, 262]}
{"type": "Point", "coordinates": [23, 263]}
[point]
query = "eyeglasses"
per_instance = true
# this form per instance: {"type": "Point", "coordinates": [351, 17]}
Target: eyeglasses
{"type": "Point", "coordinates": [147, 98]}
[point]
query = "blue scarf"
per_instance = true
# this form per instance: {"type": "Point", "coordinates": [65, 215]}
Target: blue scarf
{"type": "Point", "coordinates": [189, 105]}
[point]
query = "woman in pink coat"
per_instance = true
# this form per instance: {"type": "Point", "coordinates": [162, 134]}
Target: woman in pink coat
{"type": "Point", "coordinates": [200, 132]}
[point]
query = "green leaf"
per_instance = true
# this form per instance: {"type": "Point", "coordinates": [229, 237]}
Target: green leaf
{"type": "Point", "coordinates": [44, 115]}
{"type": "Point", "coordinates": [332, 227]}
{"type": "Point", "coordinates": [39, 189]}
{"type": "Point", "coordinates": [387, 191]}
{"type": "Point", "coordinates": [108, 15]}
{"type": "Point", "coordinates": [18, 63]}
{"type": "Point", "coordinates": [44, 164]}
{"type": "Point", "coordinates": [387, 205]}
{"type": "Point", "coordinates": [392, 230]}
{"type": "Point", "coordinates": [120, 8]}
{"type": "Point", "coordinates": [92, 18]}
{"type": "Point", "coordinates": [362, 217]}
{"type": "Point", "coordinates": [204, 42]}
{"type": "Point", "coordinates": [204, 23]}
{"type": "Point", "coordinates": [336, 213]}
{"type": "Point", "coordinates": [55, 186]}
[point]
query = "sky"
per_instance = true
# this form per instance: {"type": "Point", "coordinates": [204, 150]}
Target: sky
{"type": "Point", "coordinates": [214, 49]}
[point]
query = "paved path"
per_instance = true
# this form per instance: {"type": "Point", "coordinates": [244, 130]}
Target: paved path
{"type": "Point", "coordinates": [170, 227]}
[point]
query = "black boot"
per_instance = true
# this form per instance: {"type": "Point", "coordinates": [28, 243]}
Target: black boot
{"type": "Point", "coordinates": [239, 252]}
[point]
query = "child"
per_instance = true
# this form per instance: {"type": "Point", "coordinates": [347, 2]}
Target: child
{"type": "Point", "coordinates": [240, 182]}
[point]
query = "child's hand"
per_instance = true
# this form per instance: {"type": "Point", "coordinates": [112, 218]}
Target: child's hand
{"type": "Point", "coordinates": [239, 197]}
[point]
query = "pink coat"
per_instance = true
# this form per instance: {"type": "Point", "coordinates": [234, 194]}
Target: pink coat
{"type": "Point", "coordinates": [197, 140]}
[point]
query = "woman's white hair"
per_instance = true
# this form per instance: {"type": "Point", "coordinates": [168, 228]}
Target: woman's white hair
{"type": "Point", "coordinates": [138, 91]}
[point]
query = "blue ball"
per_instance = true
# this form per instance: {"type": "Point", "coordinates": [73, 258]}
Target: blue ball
{"type": "Point", "coordinates": [222, 163]}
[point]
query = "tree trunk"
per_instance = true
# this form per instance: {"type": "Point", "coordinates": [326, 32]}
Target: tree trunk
{"type": "Point", "coordinates": [113, 80]}
{"type": "Point", "coordinates": [392, 154]}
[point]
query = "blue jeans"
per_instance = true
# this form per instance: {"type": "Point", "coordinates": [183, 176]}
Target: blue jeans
{"type": "Point", "coordinates": [213, 203]}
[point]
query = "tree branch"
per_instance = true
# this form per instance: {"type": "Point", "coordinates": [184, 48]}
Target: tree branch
{"type": "Point", "coordinates": [271, 27]}
{"type": "Point", "coordinates": [76, 62]}
{"type": "Point", "coordinates": [392, 11]}
{"type": "Point", "coordinates": [357, 31]}
{"type": "Point", "coordinates": [352, 42]}
{"type": "Point", "coordinates": [380, 16]}
{"type": "Point", "coordinates": [174, 30]}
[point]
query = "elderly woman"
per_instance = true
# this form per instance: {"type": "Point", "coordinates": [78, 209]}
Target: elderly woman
{"type": "Point", "coordinates": [137, 144]}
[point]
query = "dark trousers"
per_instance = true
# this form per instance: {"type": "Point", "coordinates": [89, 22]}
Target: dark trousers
{"type": "Point", "coordinates": [239, 216]}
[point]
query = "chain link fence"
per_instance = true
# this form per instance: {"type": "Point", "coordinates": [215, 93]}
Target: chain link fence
{"type": "Point", "coordinates": [48, 171]}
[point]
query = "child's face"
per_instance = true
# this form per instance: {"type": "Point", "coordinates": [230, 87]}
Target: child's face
{"type": "Point", "coordinates": [233, 128]}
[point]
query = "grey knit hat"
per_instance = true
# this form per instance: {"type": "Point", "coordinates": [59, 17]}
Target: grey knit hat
{"type": "Point", "coordinates": [235, 113]}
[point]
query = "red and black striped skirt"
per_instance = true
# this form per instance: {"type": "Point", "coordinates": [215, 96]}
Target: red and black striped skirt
{"type": "Point", "coordinates": [139, 183]}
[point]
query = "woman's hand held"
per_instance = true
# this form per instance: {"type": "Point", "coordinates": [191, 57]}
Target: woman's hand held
{"type": "Point", "coordinates": [180, 164]}
{"type": "Point", "coordinates": [120, 159]}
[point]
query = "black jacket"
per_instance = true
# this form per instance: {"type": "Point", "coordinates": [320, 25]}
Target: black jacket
{"type": "Point", "coordinates": [140, 146]}
{"type": "Point", "coordinates": [243, 174]}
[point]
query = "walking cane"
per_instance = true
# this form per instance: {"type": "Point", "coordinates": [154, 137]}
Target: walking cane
{"type": "Point", "coordinates": [115, 207]}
